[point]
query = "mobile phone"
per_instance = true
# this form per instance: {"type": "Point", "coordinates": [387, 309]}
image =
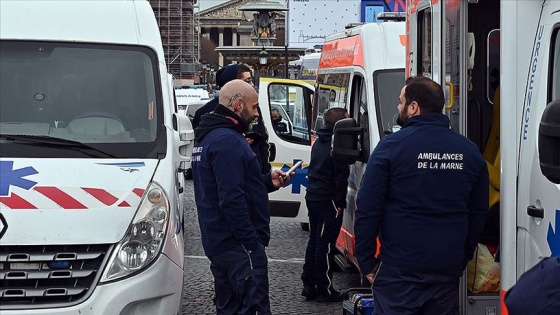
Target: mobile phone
{"type": "Point", "coordinates": [294, 168]}
{"type": "Point", "coordinates": [253, 135]}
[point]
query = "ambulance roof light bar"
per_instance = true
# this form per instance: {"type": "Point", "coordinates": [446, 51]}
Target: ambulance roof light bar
{"type": "Point", "coordinates": [391, 16]}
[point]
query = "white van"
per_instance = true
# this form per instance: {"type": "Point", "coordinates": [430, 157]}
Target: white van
{"type": "Point", "coordinates": [91, 161]}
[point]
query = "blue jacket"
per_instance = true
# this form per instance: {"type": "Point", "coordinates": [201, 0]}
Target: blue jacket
{"type": "Point", "coordinates": [425, 194]}
{"type": "Point", "coordinates": [231, 198]}
{"type": "Point", "coordinates": [537, 292]}
{"type": "Point", "coordinates": [327, 178]}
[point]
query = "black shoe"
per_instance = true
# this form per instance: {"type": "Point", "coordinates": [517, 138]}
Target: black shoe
{"type": "Point", "coordinates": [335, 296]}
{"type": "Point", "coordinates": [308, 292]}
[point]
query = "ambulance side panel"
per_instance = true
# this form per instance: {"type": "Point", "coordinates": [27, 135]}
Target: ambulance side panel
{"type": "Point", "coordinates": [538, 209]}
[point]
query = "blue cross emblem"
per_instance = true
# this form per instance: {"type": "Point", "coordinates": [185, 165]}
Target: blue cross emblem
{"type": "Point", "coordinates": [554, 238]}
{"type": "Point", "coordinates": [299, 179]}
{"type": "Point", "coordinates": [10, 177]}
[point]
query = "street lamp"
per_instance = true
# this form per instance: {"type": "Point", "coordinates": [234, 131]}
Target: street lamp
{"type": "Point", "coordinates": [263, 57]}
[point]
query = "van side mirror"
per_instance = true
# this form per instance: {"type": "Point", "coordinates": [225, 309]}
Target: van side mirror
{"type": "Point", "coordinates": [347, 135]}
{"type": "Point", "coordinates": [549, 142]}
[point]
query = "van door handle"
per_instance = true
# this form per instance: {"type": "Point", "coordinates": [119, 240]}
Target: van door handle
{"type": "Point", "coordinates": [535, 212]}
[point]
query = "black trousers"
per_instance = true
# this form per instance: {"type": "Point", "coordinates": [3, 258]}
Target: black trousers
{"type": "Point", "coordinates": [324, 227]}
{"type": "Point", "coordinates": [241, 281]}
{"type": "Point", "coordinates": [414, 292]}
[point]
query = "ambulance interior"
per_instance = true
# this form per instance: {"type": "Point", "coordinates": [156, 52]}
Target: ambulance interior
{"type": "Point", "coordinates": [293, 104]}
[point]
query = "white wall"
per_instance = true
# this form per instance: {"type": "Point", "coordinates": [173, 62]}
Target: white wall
{"type": "Point", "coordinates": [308, 18]}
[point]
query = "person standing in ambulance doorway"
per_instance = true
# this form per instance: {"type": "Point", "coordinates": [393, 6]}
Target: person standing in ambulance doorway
{"type": "Point", "coordinates": [424, 193]}
{"type": "Point", "coordinates": [232, 202]}
{"type": "Point", "coordinates": [326, 201]}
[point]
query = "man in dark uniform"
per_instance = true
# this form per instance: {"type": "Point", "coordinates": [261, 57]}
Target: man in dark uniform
{"type": "Point", "coordinates": [537, 292]}
{"type": "Point", "coordinates": [232, 202]}
{"type": "Point", "coordinates": [256, 135]}
{"type": "Point", "coordinates": [425, 195]}
{"type": "Point", "coordinates": [326, 200]}
{"type": "Point", "coordinates": [223, 76]}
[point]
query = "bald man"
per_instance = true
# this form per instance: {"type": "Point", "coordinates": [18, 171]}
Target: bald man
{"type": "Point", "coordinates": [232, 202]}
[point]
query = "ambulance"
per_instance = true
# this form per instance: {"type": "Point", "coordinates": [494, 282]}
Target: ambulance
{"type": "Point", "coordinates": [362, 69]}
{"type": "Point", "coordinates": [92, 154]}
{"type": "Point", "coordinates": [499, 62]}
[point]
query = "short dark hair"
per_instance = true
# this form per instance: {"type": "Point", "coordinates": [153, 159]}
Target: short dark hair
{"type": "Point", "coordinates": [426, 92]}
{"type": "Point", "coordinates": [242, 68]}
{"type": "Point", "coordinates": [334, 114]}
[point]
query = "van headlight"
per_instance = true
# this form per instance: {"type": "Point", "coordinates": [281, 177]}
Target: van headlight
{"type": "Point", "coordinates": [143, 241]}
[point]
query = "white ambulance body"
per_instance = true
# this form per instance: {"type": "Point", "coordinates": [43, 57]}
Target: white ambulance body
{"type": "Point", "coordinates": [368, 60]}
{"type": "Point", "coordinates": [91, 160]}
{"type": "Point", "coordinates": [361, 69]}
{"type": "Point", "coordinates": [500, 60]}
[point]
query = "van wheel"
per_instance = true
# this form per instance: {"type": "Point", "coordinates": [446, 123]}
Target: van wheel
{"type": "Point", "coordinates": [305, 226]}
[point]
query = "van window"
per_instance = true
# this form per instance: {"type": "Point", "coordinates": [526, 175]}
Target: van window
{"type": "Point", "coordinates": [387, 85]}
{"type": "Point", "coordinates": [424, 43]}
{"type": "Point", "coordinates": [331, 92]}
{"type": "Point", "coordinates": [100, 96]}
{"type": "Point", "coordinates": [288, 112]}
{"type": "Point", "coordinates": [309, 66]}
{"type": "Point", "coordinates": [492, 64]}
{"type": "Point", "coordinates": [555, 75]}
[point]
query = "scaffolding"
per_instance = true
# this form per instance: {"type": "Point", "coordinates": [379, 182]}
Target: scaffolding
{"type": "Point", "coordinates": [179, 36]}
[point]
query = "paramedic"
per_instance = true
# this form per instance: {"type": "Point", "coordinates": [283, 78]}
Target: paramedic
{"type": "Point", "coordinates": [223, 76]}
{"type": "Point", "coordinates": [232, 203]}
{"type": "Point", "coordinates": [256, 134]}
{"type": "Point", "coordinates": [326, 201]}
{"type": "Point", "coordinates": [424, 193]}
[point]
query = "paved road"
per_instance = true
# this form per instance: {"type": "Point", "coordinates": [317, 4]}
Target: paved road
{"type": "Point", "coordinates": [285, 254]}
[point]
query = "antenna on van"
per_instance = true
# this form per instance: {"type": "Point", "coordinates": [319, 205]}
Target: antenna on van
{"type": "Point", "coordinates": [391, 16]}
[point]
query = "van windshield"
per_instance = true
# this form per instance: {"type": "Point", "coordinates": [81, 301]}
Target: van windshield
{"type": "Point", "coordinates": [103, 96]}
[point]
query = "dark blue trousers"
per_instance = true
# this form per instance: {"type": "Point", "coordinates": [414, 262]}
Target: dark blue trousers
{"type": "Point", "coordinates": [241, 281]}
{"type": "Point", "coordinates": [324, 227]}
{"type": "Point", "coordinates": [406, 292]}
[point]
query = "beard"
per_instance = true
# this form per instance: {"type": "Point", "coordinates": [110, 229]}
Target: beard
{"type": "Point", "coordinates": [246, 116]}
{"type": "Point", "coordinates": [402, 116]}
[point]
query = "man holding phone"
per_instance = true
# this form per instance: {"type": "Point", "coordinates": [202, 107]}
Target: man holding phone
{"type": "Point", "coordinates": [232, 202]}
{"type": "Point", "coordinates": [326, 200]}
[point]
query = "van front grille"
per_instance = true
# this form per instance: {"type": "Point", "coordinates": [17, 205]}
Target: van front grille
{"type": "Point", "coordinates": [49, 276]}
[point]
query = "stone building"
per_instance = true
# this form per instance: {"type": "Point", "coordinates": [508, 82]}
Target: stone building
{"type": "Point", "coordinates": [225, 25]}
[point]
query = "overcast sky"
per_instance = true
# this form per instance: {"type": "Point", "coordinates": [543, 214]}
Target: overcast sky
{"type": "Point", "coordinates": [205, 4]}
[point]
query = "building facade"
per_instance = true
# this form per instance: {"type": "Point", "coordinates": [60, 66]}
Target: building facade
{"type": "Point", "coordinates": [179, 37]}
